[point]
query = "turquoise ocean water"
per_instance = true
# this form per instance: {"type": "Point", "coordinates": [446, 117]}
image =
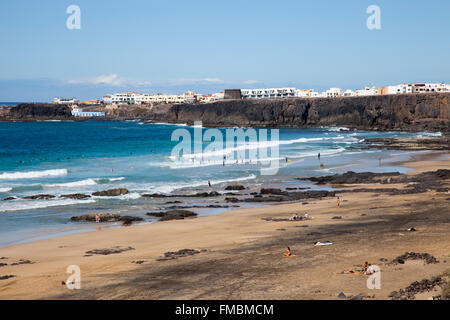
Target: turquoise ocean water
{"type": "Point", "coordinates": [56, 158]}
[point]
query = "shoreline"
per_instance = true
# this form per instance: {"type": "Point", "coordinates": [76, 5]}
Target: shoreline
{"type": "Point", "coordinates": [84, 227]}
{"type": "Point", "coordinates": [231, 235]}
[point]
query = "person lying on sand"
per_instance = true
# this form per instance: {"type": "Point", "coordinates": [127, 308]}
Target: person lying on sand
{"type": "Point", "coordinates": [288, 253]}
{"type": "Point", "coordinates": [296, 217]}
{"type": "Point", "coordinates": [365, 266]}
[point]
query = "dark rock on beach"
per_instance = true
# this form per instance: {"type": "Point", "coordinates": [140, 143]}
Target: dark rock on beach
{"type": "Point", "coordinates": [172, 215]}
{"type": "Point", "coordinates": [351, 177]}
{"type": "Point", "coordinates": [413, 144]}
{"type": "Point", "coordinates": [113, 250]}
{"type": "Point", "coordinates": [77, 196]}
{"type": "Point", "coordinates": [107, 217]}
{"type": "Point", "coordinates": [154, 195]}
{"type": "Point", "coordinates": [40, 197]}
{"type": "Point", "coordinates": [235, 187]}
{"type": "Point", "coordinates": [104, 217]}
{"type": "Point", "coordinates": [179, 254]}
{"type": "Point", "coordinates": [416, 287]}
{"type": "Point", "coordinates": [274, 191]}
{"type": "Point", "coordinates": [128, 220]}
{"type": "Point", "coordinates": [111, 192]}
{"type": "Point", "coordinates": [6, 277]}
{"type": "Point", "coordinates": [22, 261]}
{"type": "Point", "coordinates": [428, 259]}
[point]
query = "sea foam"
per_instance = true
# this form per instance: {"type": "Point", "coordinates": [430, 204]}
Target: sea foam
{"type": "Point", "coordinates": [32, 174]}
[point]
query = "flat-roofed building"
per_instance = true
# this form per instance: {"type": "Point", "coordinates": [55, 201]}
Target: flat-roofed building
{"type": "Point", "coordinates": [268, 93]}
{"type": "Point", "coordinates": [60, 100]}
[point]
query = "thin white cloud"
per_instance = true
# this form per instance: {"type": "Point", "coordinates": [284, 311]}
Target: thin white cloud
{"type": "Point", "coordinates": [250, 82]}
{"type": "Point", "coordinates": [111, 80]}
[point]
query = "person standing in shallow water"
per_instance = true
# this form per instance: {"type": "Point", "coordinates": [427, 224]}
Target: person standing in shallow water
{"type": "Point", "coordinates": [209, 183]}
{"type": "Point", "coordinates": [318, 156]}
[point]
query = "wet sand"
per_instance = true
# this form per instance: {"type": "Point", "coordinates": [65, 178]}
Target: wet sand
{"type": "Point", "coordinates": [241, 254]}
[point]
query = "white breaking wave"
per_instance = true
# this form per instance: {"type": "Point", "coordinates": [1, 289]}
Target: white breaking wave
{"type": "Point", "coordinates": [251, 146]}
{"type": "Point", "coordinates": [129, 196]}
{"type": "Point", "coordinates": [429, 134]}
{"type": "Point", "coordinates": [114, 179]}
{"type": "Point", "coordinates": [338, 129]}
{"type": "Point", "coordinates": [32, 174]}
{"type": "Point", "coordinates": [16, 205]}
{"type": "Point", "coordinates": [168, 188]}
{"type": "Point", "coordinates": [170, 124]}
{"type": "Point", "coordinates": [3, 190]}
{"type": "Point", "coordinates": [82, 183]}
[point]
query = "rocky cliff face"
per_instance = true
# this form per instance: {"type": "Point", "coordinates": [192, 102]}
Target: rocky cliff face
{"type": "Point", "coordinates": [405, 112]}
{"type": "Point", "coordinates": [39, 112]}
{"type": "Point", "coordinates": [389, 112]}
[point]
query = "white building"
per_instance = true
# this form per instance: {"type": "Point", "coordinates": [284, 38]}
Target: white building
{"type": "Point", "coordinates": [122, 98]}
{"type": "Point", "coordinates": [399, 89]}
{"type": "Point", "coordinates": [268, 93]}
{"type": "Point", "coordinates": [60, 100]}
{"type": "Point", "coordinates": [305, 93]}
{"type": "Point", "coordinates": [429, 87]}
{"type": "Point", "coordinates": [367, 91]}
{"type": "Point", "coordinates": [77, 112]}
{"type": "Point", "coordinates": [333, 92]}
{"type": "Point", "coordinates": [348, 93]}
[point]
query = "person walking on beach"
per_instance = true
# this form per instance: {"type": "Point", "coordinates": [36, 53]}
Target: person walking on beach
{"type": "Point", "coordinates": [97, 218]}
{"type": "Point", "coordinates": [338, 202]}
{"type": "Point", "coordinates": [209, 183]}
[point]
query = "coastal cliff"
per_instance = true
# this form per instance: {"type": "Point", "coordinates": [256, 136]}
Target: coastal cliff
{"type": "Point", "coordinates": [388, 112]}
{"type": "Point", "coordinates": [385, 112]}
{"type": "Point", "coordinates": [31, 112]}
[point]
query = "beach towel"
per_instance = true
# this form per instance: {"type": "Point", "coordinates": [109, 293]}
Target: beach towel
{"type": "Point", "coordinates": [326, 243]}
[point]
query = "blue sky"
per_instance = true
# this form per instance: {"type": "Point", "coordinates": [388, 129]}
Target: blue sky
{"type": "Point", "coordinates": [171, 46]}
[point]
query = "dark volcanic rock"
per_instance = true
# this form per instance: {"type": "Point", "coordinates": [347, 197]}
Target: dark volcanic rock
{"type": "Point", "coordinates": [104, 217]}
{"type": "Point", "coordinates": [107, 217]}
{"type": "Point", "coordinates": [382, 112]}
{"type": "Point", "coordinates": [22, 261]}
{"type": "Point", "coordinates": [40, 197]}
{"type": "Point", "coordinates": [75, 196]}
{"type": "Point", "coordinates": [441, 143]}
{"type": "Point", "coordinates": [29, 111]}
{"type": "Point", "coordinates": [111, 192]}
{"type": "Point", "coordinates": [416, 287]}
{"type": "Point", "coordinates": [414, 256]}
{"type": "Point", "coordinates": [9, 199]}
{"type": "Point", "coordinates": [274, 191]}
{"type": "Point", "coordinates": [154, 195]}
{"type": "Point", "coordinates": [172, 215]}
{"type": "Point", "coordinates": [128, 220]}
{"type": "Point", "coordinates": [351, 177]}
{"type": "Point", "coordinates": [235, 187]}
{"type": "Point", "coordinates": [179, 254]}
{"type": "Point", "coordinates": [113, 250]}
{"type": "Point", "coordinates": [6, 277]}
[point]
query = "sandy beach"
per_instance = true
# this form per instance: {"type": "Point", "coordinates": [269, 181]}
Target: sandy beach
{"type": "Point", "coordinates": [240, 252]}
